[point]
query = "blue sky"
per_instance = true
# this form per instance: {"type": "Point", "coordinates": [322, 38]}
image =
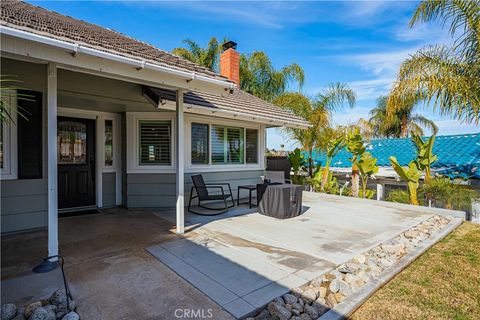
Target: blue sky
{"type": "Point", "coordinates": [361, 43]}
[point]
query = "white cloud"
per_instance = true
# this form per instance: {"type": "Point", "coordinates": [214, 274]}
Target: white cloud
{"type": "Point", "coordinates": [371, 89]}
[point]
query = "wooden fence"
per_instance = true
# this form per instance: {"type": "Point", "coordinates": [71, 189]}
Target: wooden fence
{"type": "Point", "coordinates": [279, 163]}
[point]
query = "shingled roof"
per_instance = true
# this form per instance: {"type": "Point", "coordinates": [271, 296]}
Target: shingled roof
{"type": "Point", "coordinates": [239, 101]}
{"type": "Point", "coordinates": [33, 19]}
{"type": "Point", "coordinates": [458, 155]}
{"type": "Point", "coordinates": [26, 17]}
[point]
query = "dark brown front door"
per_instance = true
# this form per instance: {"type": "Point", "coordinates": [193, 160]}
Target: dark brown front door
{"type": "Point", "coordinates": [76, 162]}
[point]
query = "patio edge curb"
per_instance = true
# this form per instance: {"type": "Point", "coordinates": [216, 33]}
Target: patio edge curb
{"type": "Point", "coordinates": [345, 309]}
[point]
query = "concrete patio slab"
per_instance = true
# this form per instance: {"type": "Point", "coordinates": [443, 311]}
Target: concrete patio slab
{"type": "Point", "coordinates": [251, 258]}
{"type": "Point", "coordinates": [109, 272]}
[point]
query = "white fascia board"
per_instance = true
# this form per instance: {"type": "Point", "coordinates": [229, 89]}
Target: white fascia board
{"type": "Point", "coordinates": [228, 114]}
{"type": "Point", "coordinates": [190, 80]}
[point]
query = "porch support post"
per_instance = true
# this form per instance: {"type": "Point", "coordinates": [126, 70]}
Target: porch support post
{"type": "Point", "coordinates": [180, 162]}
{"type": "Point", "coordinates": [380, 191]}
{"type": "Point", "coordinates": [52, 159]}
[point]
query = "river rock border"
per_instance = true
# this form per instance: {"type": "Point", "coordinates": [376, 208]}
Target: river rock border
{"type": "Point", "coordinates": [319, 295]}
{"type": "Point", "coordinates": [52, 308]}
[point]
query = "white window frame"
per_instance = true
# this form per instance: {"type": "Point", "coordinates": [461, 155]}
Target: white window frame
{"type": "Point", "coordinates": [10, 150]}
{"type": "Point", "coordinates": [189, 167]}
{"type": "Point", "coordinates": [133, 154]}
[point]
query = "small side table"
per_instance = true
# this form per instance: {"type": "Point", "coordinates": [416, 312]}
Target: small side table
{"type": "Point", "coordinates": [250, 188]}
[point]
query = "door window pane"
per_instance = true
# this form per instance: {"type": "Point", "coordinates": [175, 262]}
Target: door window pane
{"type": "Point", "coordinates": [108, 143]}
{"type": "Point", "coordinates": [199, 143]}
{"type": "Point", "coordinates": [72, 142]}
{"type": "Point", "coordinates": [155, 142]}
{"type": "Point", "coordinates": [251, 145]}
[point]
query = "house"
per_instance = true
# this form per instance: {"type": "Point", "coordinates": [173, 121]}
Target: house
{"type": "Point", "coordinates": [458, 157]}
{"type": "Point", "coordinates": [113, 121]}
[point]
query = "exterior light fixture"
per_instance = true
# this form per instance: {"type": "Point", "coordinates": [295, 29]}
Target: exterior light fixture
{"type": "Point", "coordinates": [48, 265]}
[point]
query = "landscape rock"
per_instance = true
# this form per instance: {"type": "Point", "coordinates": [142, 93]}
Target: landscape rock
{"type": "Point", "coordinates": [9, 311]}
{"type": "Point", "coordinates": [320, 305]}
{"type": "Point", "coordinates": [360, 259]}
{"type": "Point", "coordinates": [290, 298]}
{"type": "Point", "coordinates": [279, 311]}
{"type": "Point", "coordinates": [279, 300]}
{"type": "Point", "coordinates": [311, 311]}
{"type": "Point", "coordinates": [339, 297]}
{"type": "Point", "coordinates": [263, 315]}
{"type": "Point", "coordinates": [309, 295]}
{"type": "Point", "coordinates": [334, 286]}
{"type": "Point", "coordinates": [29, 308]}
{"type": "Point", "coordinates": [72, 315]}
{"type": "Point", "coordinates": [331, 301]}
{"type": "Point", "coordinates": [321, 292]}
{"type": "Point", "coordinates": [58, 297]}
{"type": "Point", "coordinates": [42, 313]}
{"type": "Point", "coordinates": [410, 234]}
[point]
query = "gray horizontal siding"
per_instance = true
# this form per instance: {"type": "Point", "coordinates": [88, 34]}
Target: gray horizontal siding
{"type": "Point", "coordinates": [109, 189]}
{"type": "Point", "coordinates": [151, 190]}
{"type": "Point", "coordinates": [23, 204]}
{"type": "Point", "coordinates": [158, 190]}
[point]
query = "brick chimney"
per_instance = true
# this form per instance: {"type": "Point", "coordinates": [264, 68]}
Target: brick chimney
{"type": "Point", "coordinates": [230, 62]}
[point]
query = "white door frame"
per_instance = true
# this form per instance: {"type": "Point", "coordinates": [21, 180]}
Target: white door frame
{"type": "Point", "coordinates": [100, 168]}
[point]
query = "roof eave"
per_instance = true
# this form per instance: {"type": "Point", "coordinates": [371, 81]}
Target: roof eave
{"type": "Point", "coordinates": [77, 48]}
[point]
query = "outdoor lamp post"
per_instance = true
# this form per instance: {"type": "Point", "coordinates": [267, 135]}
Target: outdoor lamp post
{"type": "Point", "coordinates": [47, 265]}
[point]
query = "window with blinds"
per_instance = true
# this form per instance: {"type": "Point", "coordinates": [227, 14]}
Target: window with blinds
{"type": "Point", "coordinates": [227, 145]}
{"type": "Point", "coordinates": [200, 143]}
{"type": "Point", "coordinates": [155, 142]}
{"type": "Point", "coordinates": [251, 146]}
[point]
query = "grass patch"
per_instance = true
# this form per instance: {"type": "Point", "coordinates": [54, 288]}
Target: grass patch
{"type": "Point", "coordinates": [444, 283]}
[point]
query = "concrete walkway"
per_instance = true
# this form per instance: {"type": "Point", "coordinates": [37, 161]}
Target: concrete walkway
{"type": "Point", "coordinates": [243, 259]}
{"type": "Point", "coordinates": [110, 273]}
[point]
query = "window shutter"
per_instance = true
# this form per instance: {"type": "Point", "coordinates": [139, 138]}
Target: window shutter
{"type": "Point", "coordinates": [155, 142]}
{"type": "Point", "coordinates": [251, 145]}
{"type": "Point", "coordinates": [235, 145]}
{"type": "Point", "coordinates": [218, 145]}
{"type": "Point", "coordinates": [199, 148]}
{"type": "Point", "coordinates": [29, 135]}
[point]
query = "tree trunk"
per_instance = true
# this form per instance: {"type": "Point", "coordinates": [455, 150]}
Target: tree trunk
{"type": "Point", "coordinates": [310, 163]}
{"type": "Point", "coordinates": [413, 195]}
{"type": "Point", "coordinates": [404, 126]}
{"type": "Point", "coordinates": [325, 173]}
{"type": "Point", "coordinates": [355, 181]}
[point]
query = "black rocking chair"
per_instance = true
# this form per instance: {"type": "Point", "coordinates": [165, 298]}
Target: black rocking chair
{"type": "Point", "coordinates": [201, 189]}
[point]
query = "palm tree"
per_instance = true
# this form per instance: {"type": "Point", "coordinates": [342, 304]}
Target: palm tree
{"type": "Point", "coordinates": [318, 112]}
{"type": "Point", "coordinates": [448, 77]}
{"type": "Point", "coordinates": [260, 78]}
{"type": "Point", "coordinates": [399, 122]}
{"type": "Point", "coordinates": [207, 57]}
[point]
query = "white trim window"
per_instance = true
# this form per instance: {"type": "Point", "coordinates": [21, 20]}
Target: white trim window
{"type": "Point", "coordinates": [154, 142]}
{"type": "Point", "coordinates": [150, 142]}
{"type": "Point", "coordinates": [218, 145]}
{"type": "Point", "coordinates": [8, 143]}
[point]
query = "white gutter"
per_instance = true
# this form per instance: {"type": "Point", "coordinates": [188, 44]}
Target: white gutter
{"type": "Point", "coordinates": [235, 114]}
{"type": "Point", "coordinates": [76, 48]}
